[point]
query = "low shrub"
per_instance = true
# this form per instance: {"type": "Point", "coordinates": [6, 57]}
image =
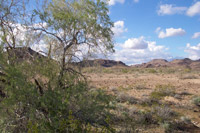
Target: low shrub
{"type": "Point", "coordinates": [149, 102]}
{"type": "Point", "coordinates": [189, 77]}
{"type": "Point", "coordinates": [141, 87]}
{"type": "Point", "coordinates": [196, 101]}
{"type": "Point", "coordinates": [164, 114]}
{"type": "Point", "coordinates": [162, 91]}
{"type": "Point", "coordinates": [125, 70]}
{"type": "Point", "coordinates": [152, 71]}
{"type": "Point", "coordinates": [124, 97]}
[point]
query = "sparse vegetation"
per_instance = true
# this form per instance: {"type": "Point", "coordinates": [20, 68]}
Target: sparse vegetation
{"type": "Point", "coordinates": [124, 97]}
{"type": "Point", "coordinates": [196, 101]}
{"type": "Point", "coordinates": [141, 87]}
{"type": "Point", "coordinates": [60, 90]}
{"type": "Point", "coordinates": [164, 114]}
{"type": "Point", "coordinates": [162, 91]}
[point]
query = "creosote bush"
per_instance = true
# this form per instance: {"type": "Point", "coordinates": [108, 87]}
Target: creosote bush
{"type": "Point", "coordinates": [162, 91]}
{"type": "Point", "coordinates": [124, 97]}
{"type": "Point", "coordinates": [196, 101]}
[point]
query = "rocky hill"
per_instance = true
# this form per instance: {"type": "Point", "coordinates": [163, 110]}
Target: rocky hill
{"type": "Point", "coordinates": [101, 62]}
{"type": "Point", "coordinates": [24, 53]}
{"type": "Point", "coordinates": [177, 63]}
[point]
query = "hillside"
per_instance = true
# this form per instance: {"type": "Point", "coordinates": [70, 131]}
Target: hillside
{"type": "Point", "coordinates": [177, 63]}
{"type": "Point", "coordinates": [26, 53]}
{"type": "Point", "coordinates": [101, 62]}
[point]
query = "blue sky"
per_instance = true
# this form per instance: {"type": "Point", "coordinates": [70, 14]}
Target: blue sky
{"type": "Point", "coordinates": [149, 29]}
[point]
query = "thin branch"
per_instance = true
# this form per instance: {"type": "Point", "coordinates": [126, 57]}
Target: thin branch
{"type": "Point", "coordinates": [39, 87]}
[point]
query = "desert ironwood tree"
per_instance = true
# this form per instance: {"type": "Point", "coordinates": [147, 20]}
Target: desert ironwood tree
{"type": "Point", "coordinates": [12, 22]}
{"type": "Point", "coordinates": [39, 94]}
{"type": "Point", "coordinates": [74, 23]}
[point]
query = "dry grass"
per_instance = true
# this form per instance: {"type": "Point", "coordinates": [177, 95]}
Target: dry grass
{"type": "Point", "coordinates": [144, 89]}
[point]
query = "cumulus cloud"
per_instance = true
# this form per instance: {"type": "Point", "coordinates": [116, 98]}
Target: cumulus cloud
{"type": "Point", "coordinates": [170, 32]}
{"type": "Point", "coordinates": [193, 51]}
{"type": "Point", "coordinates": [194, 9]}
{"type": "Point", "coordinates": [136, 43]}
{"type": "Point", "coordinates": [131, 55]}
{"type": "Point", "coordinates": [119, 28]}
{"type": "Point", "coordinates": [169, 9]}
{"type": "Point", "coordinates": [196, 35]}
{"type": "Point", "coordinates": [113, 2]}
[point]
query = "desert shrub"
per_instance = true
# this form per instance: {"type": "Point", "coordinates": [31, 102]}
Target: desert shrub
{"type": "Point", "coordinates": [149, 102]}
{"type": "Point", "coordinates": [196, 101]}
{"type": "Point", "coordinates": [178, 96]}
{"type": "Point", "coordinates": [141, 87]}
{"type": "Point", "coordinates": [145, 118]}
{"type": "Point", "coordinates": [187, 70]}
{"type": "Point", "coordinates": [185, 119]}
{"type": "Point", "coordinates": [106, 70]}
{"type": "Point", "coordinates": [42, 105]}
{"type": "Point", "coordinates": [170, 70]}
{"type": "Point", "coordinates": [164, 114]}
{"type": "Point", "coordinates": [189, 77]}
{"type": "Point", "coordinates": [125, 88]}
{"type": "Point", "coordinates": [152, 71]}
{"type": "Point", "coordinates": [124, 97]}
{"type": "Point", "coordinates": [162, 91]}
{"type": "Point", "coordinates": [124, 70]}
{"type": "Point", "coordinates": [175, 126]}
{"type": "Point", "coordinates": [185, 93]}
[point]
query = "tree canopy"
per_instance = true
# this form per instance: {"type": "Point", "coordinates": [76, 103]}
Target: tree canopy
{"type": "Point", "coordinates": [38, 94]}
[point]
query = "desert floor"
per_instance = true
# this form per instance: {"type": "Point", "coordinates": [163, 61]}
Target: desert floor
{"type": "Point", "coordinates": [141, 83]}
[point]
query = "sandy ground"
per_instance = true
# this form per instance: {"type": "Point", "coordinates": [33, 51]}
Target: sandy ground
{"type": "Point", "coordinates": [183, 84]}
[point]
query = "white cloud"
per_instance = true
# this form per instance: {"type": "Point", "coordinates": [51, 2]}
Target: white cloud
{"type": "Point", "coordinates": [136, 43]}
{"type": "Point", "coordinates": [131, 55]}
{"type": "Point", "coordinates": [158, 29]}
{"type": "Point", "coordinates": [113, 2]}
{"type": "Point", "coordinates": [193, 51]}
{"type": "Point", "coordinates": [168, 9]}
{"type": "Point", "coordinates": [170, 32]}
{"type": "Point", "coordinates": [196, 35]}
{"type": "Point", "coordinates": [136, 1]}
{"type": "Point", "coordinates": [194, 9]}
{"type": "Point", "coordinates": [119, 28]}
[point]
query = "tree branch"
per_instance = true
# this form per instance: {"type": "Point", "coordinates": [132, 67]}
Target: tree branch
{"type": "Point", "coordinates": [39, 87]}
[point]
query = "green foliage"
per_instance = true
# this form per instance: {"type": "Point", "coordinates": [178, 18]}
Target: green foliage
{"type": "Point", "coordinates": [42, 94]}
{"type": "Point", "coordinates": [162, 91]}
{"type": "Point", "coordinates": [187, 70]}
{"type": "Point", "coordinates": [82, 21]}
{"type": "Point", "coordinates": [27, 108]}
{"type": "Point", "coordinates": [152, 71]}
{"type": "Point", "coordinates": [164, 114]}
{"type": "Point", "coordinates": [125, 70]}
{"type": "Point", "coordinates": [196, 100]}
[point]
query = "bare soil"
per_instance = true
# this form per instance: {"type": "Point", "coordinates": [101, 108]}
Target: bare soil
{"type": "Point", "coordinates": [141, 84]}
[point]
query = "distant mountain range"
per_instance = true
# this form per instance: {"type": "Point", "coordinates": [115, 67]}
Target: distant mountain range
{"type": "Point", "coordinates": [27, 53]}
{"type": "Point", "coordinates": [177, 63]}
{"type": "Point", "coordinates": [156, 63]}
{"type": "Point", "coordinates": [101, 62]}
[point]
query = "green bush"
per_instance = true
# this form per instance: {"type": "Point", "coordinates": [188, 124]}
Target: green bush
{"type": "Point", "coordinates": [152, 71]}
{"type": "Point", "coordinates": [196, 101]}
{"type": "Point", "coordinates": [124, 97]}
{"type": "Point", "coordinates": [164, 114]}
{"type": "Point", "coordinates": [162, 91]}
{"type": "Point", "coordinates": [40, 104]}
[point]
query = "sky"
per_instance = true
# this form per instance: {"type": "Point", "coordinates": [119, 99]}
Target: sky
{"type": "Point", "coordinates": [155, 29]}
